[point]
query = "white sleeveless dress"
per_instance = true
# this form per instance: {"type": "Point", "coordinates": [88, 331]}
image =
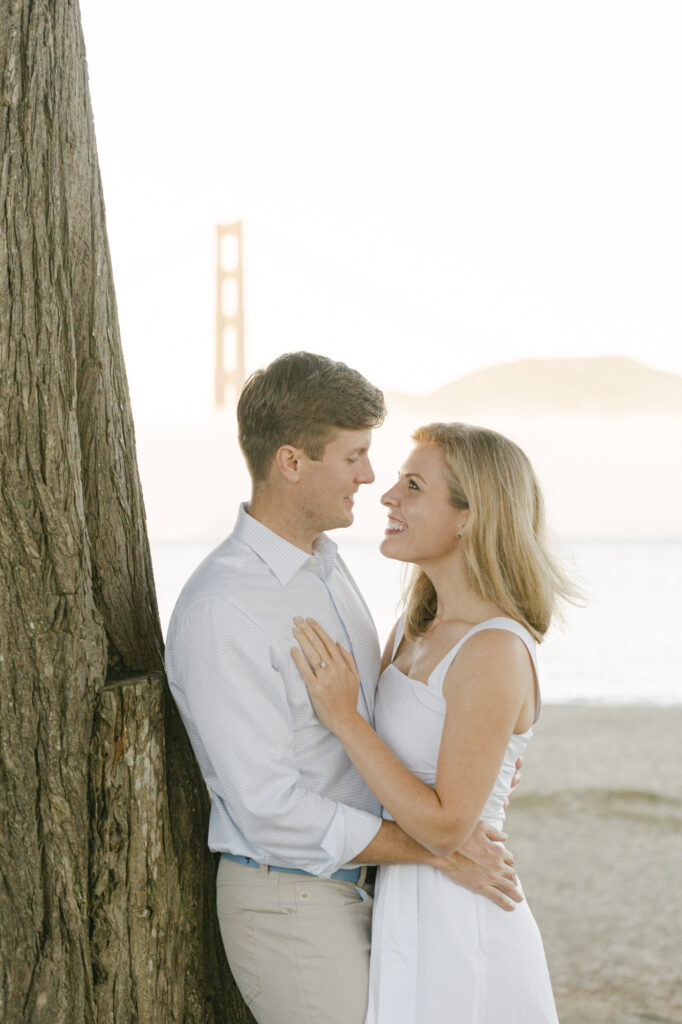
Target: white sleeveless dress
{"type": "Point", "coordinates": [442, 954]}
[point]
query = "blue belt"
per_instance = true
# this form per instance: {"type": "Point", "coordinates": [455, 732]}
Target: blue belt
{"type": "Point", "coordinates": [342, 875]}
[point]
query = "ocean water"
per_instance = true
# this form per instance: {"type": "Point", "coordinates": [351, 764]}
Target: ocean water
{"type": "Point", "coordinates": [624, 646]}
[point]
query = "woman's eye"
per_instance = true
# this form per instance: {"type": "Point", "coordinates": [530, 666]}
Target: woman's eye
{"type": "Point", "coordinates": [412, 485]}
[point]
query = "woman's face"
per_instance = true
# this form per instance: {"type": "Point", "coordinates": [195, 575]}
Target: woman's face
{"type": "Point", "coordinates": [422, 524]}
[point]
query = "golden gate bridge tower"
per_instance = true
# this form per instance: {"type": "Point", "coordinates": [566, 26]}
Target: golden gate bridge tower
{"type": "Point", "coordinates": [230, 363]}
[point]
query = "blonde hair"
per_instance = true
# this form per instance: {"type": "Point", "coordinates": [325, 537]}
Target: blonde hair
{"type": "Point", "coordinates": [506, 557]}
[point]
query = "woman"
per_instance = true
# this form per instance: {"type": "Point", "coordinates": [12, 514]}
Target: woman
{"type": "Point", "coordinates": [456, 703]}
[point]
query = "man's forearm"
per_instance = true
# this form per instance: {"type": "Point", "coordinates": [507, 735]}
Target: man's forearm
{"type": "Point", "coordinates": [491, 873]}
{"type": "Point", "coordinates": [393, 846]}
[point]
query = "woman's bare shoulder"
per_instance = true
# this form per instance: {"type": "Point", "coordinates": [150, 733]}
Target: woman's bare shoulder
{"type": "Point", "coordinates": [495, 655]}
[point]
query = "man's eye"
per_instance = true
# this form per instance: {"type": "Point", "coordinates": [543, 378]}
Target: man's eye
{"type": "Point", "coordinates": [353, 458]}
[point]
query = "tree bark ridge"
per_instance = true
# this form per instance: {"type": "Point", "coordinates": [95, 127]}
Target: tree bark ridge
{"type": "Point", "coordinates": [106, 886]}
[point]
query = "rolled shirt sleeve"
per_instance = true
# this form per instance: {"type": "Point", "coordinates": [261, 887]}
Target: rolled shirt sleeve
{"type": "Point", "coordinates": [260, 745]}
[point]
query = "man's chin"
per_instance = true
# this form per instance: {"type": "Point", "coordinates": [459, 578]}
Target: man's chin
{"type": "Point", "coordinates": [341, 522]}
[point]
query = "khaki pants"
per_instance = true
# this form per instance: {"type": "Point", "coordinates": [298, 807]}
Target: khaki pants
{"type": "Point", "coordinates": [297, 945]}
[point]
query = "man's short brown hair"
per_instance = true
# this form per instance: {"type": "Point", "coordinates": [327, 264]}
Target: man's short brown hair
{"type": "Point", "coordinates": [302, 399]}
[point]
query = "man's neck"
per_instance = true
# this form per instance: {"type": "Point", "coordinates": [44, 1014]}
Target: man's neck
{"type": "Point", "coordinates": [283, 521]}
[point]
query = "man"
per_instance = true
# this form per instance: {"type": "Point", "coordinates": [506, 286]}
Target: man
{"type": "Point", "coordinates": [294, 821]}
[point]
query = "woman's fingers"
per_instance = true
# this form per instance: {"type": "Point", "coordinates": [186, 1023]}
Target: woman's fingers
{"type": "Point", "coordinates": [306, 672]}
{"type": "Point", "coordinates": [347, 657]}
{"type": "Point", "coordinates": [310, 644]}
{"type": "Point", "coordinates": [318, 640]}
{"type": "Point", "coordinates": [319, 647]}
{"type": "Point", "coordinates": [333, 649]}
{"type": "Point", "coordinates": [303, 666]}
{"type": "Point", "coordinates": [322, 637]}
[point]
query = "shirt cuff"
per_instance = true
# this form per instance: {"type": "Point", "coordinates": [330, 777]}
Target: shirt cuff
{"type": "Point", "coordinates": [349, 832]}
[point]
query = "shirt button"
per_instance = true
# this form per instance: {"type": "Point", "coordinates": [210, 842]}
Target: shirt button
{"type": "Point", "coordinates": [305, 895]}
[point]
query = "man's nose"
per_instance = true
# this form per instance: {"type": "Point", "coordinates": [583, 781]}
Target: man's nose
{"type": "Point", "coordinates": [366, 475]}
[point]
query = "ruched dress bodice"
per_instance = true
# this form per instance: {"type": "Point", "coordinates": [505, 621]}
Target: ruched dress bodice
{"type": "Point", "coordinates": [401, 698]}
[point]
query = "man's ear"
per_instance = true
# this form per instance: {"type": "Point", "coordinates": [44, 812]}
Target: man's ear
{"type": "Point", "coordinates": [288, 462]}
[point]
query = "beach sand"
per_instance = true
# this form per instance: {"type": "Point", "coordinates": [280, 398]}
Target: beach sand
{"type": "Point", "coordinates": [596, 830]}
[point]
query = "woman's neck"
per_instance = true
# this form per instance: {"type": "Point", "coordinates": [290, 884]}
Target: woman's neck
{"type": "Point", "coordinates": [457, 601]}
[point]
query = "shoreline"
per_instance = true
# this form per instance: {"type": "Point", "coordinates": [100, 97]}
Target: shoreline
{"type": "Point", "coordinates": [596, 830]}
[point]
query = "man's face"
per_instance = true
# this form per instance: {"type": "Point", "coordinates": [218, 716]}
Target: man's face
{"type": "Point", "coordinates": [327, 486]}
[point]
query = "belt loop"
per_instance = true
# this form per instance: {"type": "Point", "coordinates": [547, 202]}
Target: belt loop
{"type": "Point", "coordinates": [363, 876]}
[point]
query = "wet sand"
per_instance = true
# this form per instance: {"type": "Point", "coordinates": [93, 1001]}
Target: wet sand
{"type": "Point", "coordinates": [596, 829]}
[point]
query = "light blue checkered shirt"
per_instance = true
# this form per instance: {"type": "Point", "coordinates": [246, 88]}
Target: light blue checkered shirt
{"type": "Point", "coordinates": [283, 790]}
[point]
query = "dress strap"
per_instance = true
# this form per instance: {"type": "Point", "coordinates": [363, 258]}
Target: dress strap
{"type": "Point", "coordinates": [399, 634]}
{"type": "Point", "coordinates": [437, 677]}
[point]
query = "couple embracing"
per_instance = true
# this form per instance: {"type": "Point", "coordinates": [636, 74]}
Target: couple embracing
{"type": "Point", "coordinates": [325, 758]}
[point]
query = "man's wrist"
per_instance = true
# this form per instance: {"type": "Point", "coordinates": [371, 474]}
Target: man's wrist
{"type": "Point", "coordinates": [433, 860]}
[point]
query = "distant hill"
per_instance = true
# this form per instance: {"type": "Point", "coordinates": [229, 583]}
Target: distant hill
{"type": "Point", "coordinates": [606, 386]}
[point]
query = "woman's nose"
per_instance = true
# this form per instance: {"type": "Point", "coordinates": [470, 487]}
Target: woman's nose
{"type": "Point", "coordinates": [389, 498]}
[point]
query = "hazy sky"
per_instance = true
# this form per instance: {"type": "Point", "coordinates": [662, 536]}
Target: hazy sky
{"type": "Point", "coordinates": [426, 187]}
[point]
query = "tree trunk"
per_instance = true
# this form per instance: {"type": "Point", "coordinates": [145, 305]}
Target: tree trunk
{"type": "Point", "coordinates": [106, 886]}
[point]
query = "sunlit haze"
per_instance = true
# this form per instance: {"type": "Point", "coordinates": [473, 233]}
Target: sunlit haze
{"type": "Point", "coordinates": [426, 188]}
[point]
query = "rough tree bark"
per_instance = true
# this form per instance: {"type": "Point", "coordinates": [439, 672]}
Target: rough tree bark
{"type": "Point", "coordinates": [106, 887]}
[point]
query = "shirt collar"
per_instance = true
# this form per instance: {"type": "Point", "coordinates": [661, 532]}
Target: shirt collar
{"type": "Point", "coordinates": [283, 558]}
